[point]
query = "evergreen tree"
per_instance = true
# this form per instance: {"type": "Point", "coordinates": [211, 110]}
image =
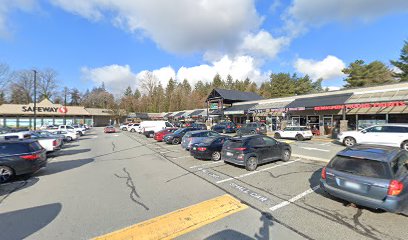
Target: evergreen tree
{"type": "Point", "coordinates": [229, 84]}
{"type": "Point", "coordinates": [363, 75]}
{"type": "Point", "coordinates": [281, 85]}
{"type": "Point", "coordinates": [402, 64]}
{"type": "Point", "coordinates": [137, 94]}
{"type": "Point", "coordinates": [217, 81]}
{"type": "Point", "coordinates": [128, 92]}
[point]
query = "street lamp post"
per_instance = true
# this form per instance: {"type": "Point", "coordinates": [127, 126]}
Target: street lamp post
{"type": "Point", "coordinates": [65, 105]}
{"type": "Point", "coordinates": [35, 100]}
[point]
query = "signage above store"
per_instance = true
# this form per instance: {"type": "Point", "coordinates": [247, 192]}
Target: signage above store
{"type": "Point", "coordinates": [213, 106]}
{"type": "Point", "coordinates": [39, 109]}
{"type": "Point", "coordinates": [63, 109]}
{"type": "Point", "coordinates": [360, 105]}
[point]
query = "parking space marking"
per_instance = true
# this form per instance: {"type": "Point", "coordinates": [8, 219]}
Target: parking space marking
{"type": "Point", "coordinates": [180, 157]}
{"type": "Point", "coordinates": [294, 199]}
{"type": "Point", "coordinates": [257, 171]}
{"type": "Point", "coordinates": [315, 149]}
{"type": "Point", "coordinates": [179, 222]}
{"type": "Point", "coordinates": [206, 164]}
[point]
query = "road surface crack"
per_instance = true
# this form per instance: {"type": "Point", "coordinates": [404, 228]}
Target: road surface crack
{"type": "Point", "coordinates": [133, 193]}
{"type": "Point", "coordinates": [113, 147]}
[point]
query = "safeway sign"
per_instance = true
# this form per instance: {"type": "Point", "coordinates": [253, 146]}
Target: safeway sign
{"type": "Point", "coordinates": [63, 109]}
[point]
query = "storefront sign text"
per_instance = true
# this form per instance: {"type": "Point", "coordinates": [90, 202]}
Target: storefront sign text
{"type": "Point", "coordinates": [360, 105]}
{"type": "Point", "coordinates": [39, 109]}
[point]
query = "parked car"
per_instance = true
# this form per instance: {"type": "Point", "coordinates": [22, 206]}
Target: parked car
{"type": "Point", "coordinates": [149, 134]}
{"type": "Point", "coordinates": [109, 129]}
{"type": "Point", "coordinates": [175, 138]}
{"type": "Point", "coordinates": [253, 150]}
{"type": "Point", "coordinates": [196, 136]}
{"type": "Point", "coordinates": [299, 133]}
{"type": "Point", "coordinates": [49, 143]}
{"type": "Point", "coordinates": [209, 148]}
{"type": "Point", "coordinates": [71, 128]}
{"type": "Point", "coordinates": [16, 135]}
{"type": "Point", "coordinates": [160, 134]}
{"type": "Point", "coordinates": [47, 134]}
{"type": "Point", "coordinates": [395, 135]}
{"type": "Point", "coordinates": [201, 126]}
{"type": "Point", "coordinates": [69, 135]}
{"type": "Point", "coordinates": [253, 128]}
{"type": "Point", "coordinates": [18, 157]}
{"type": "Point", "coordinates": [224, 127]}
{"type": "Point", "coordinates": [373, 176]}
{"type": "Point", "coordinates": [129, 126]}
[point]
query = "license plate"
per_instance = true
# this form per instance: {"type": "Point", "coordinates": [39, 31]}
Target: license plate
{"type": "Point", "coordinates": [352, 185]}
{"type": "Point", "coordinates": [229, 154]}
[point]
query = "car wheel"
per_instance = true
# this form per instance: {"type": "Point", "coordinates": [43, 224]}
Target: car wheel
{"type": "Point", "coordinates": [299, 137]}
{"type": "Point", "coordinates": [151, 135]}
{"type": "Point", "coordinates": [238, 132]}
{"type": "Point", "coordinates": [6, 174]}
{"type": "Point", "coordinates": [404, 145]}
{"type": "Point", "coordinates": [175, 141]}
{"type": "Point", "coordinates": [253, 132]}
{"type": "Point", "coordinates": [286, 155]}
{"type": "Point", "coordinates": [224, 131]}
{"type": "Point", "coordinates": [216, 156]}
{"type": "Point", "coordinates": [124, 129]}
{"type": "Point", "coordinates": [69, 139]}
{"type": "Point", "coordinates": [277, 136]}
{"type": "Point", "coordinates": [251, 164]}
{"type": "Point", "coordinates": [349, 141]}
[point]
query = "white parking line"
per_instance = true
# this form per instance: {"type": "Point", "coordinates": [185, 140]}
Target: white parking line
{"type": "Point", "coordinates": [180, 157]}
{"type": "Point", "coordinates": [316, 149]}
{"type": "Point", "coordinates": [294, 199]}
{"type": "Point", "coordinates": [257, 171]}
{"type": "Point", "coordinates": [206, 164]}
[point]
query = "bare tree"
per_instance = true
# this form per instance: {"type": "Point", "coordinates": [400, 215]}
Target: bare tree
{"type": "Point", "coordinates": [5, 76]}
{"type": "Point", "coordinates": [148, 83]}
{"type": "Point", "coordinates": [22, 87]}
{"type": "Point", "coordinates": [47, 83]}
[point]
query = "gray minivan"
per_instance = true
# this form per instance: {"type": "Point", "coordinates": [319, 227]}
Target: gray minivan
{"type": "Point", "coordinates": [373, 176]}
{"type": "Point", "coordinates": [195, 137]}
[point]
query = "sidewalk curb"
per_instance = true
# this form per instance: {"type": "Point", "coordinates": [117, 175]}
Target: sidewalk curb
{"type": "Point", "coordinates": [311, 158]}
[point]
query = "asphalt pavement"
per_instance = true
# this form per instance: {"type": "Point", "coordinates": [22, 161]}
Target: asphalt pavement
{"type": "Point", "coordinates": [109, 182]}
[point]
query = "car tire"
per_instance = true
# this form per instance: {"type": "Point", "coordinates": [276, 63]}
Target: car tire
{"type": "Point", "coordinates": [286, 155]}
{"type": "Point", "coordinates": [81, 134]}
{"type": "Point", "coordinates": [69, 139]}
{"type": "Point", "coordinates": [224, 131]}
{"type": "Point", "coordinates": [124, 129]}
{"type": "Point", "coordinates": [404, 145]}
{"type": "Point", "coordinates": [253, 132]}
{"type": "Point", "coordinates": [277, 136]}
{"type": "Point", "coordinates": [216, 156]}
{"type": "Point", "coordinates": [349, 141]}
{"type": "Point", "coordinates": [6, 174]}
{"type": "Point", "coordinates": [238, 132]}
{"type": "Point", "coordinates": [175, 141]}
{"type": "Point", "coordinates": [151, 135]}
{"type": "Point", "coordinates": [132, 130]}
{"type": "Point", "coordinates": [251, 164]}
{"type": "Point", "coordinates": [299, 137]}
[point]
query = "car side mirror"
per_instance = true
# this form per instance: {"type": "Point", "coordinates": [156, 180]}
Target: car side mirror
{"type": "Point", "coordinates": [363, 131]}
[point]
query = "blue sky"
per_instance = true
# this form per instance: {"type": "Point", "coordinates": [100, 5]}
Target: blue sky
{"type": "Point", "coordinates": [116, 41]}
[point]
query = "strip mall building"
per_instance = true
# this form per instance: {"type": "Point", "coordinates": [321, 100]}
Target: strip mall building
{"type": "Point", "coordinates": [48, 113]}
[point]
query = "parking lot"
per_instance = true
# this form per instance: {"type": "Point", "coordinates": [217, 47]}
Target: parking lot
{"type": "Point", "coordinates": [106, 182]}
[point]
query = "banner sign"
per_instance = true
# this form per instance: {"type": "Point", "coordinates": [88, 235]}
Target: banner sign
{"type": "Point", "coordinates": [213, 106]}
{"type": "Point", "coordinates": [360, 105]}
{"type": "Point", "coordinates": [45, 109]}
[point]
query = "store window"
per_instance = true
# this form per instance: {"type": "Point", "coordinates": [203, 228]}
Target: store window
{"type": "Point", "coordinates": [59, 121]}
{"type": "Point", "coordinates": [365, 121]}
{"type": "Point", "coordinates": [24, 122]}
{"type": "Point", "coordinates": [69, 121]}
{"type": "Point", "coordinates": [398, 118]}
{"type": "Point", "coordinates": [47, 121]}
{"type": "Point", "coordinates": [11, 122]}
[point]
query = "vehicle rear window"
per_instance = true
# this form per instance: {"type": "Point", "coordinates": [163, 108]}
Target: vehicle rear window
{"type": "Point", "coordinates": [361, 167]}
{"type": "Point", "coordinates": [208, 140]}
{"type": "Point", "coordinates": [14, 148]}
{"type": "Point", "coordinates": [234, 143]}
{"type": "Point", "coordinates": [188, 134]}
{"type": "Point", "coordinates": [35, 146]}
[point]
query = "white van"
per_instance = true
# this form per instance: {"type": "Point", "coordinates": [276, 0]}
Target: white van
{"type": "Point", "coordinates": [154, 126]}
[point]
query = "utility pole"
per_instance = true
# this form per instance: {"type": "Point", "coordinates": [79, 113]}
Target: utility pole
{"type": "Point", "coordinates": [35, 100]}
{"type": "Point", "coordinates": [65, 105]}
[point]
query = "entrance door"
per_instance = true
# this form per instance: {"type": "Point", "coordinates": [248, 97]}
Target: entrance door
{"type": "Point", "coordinates": [295, 121]}
{"type": "Point", "coordinates": [327, 123]}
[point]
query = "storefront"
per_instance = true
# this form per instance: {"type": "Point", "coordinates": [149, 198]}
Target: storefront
{"type": "Point", "coordinates": [48, 113]}
{"type": "Point", "coordinates": [239, 113]}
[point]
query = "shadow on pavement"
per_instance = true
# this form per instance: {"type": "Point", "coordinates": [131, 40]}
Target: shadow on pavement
{"type": "Point", "coordinates": [69, 146]}
{"type": "Point", "coordinates": [71, 152]}
{"type": "Point", "coordinates": [263, 233]}
{"type": "Point", "coordinates": [22, 223]}
{"type": "Point", "coordinates": [60, 166]}
{"type": "Point", "coordinates": [15, 185]}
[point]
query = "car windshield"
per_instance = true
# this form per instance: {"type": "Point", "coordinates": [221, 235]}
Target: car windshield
{"type": "Point", "coordinates": [361, 167]}
{"type": "Point", "coordinates": [181, 130]}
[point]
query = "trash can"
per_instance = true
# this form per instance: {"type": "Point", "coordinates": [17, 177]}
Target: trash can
{"type": "Point", "coordinates": [335, 133]}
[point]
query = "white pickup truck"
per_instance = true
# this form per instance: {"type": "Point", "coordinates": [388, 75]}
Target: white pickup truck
{"type": "Point", "coordinates": [49, 144]}
{"type": "Point", "coordinates": [77, 129]}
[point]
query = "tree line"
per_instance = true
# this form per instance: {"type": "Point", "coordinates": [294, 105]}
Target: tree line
{"type": "Point", "coordinates": [151, 96]}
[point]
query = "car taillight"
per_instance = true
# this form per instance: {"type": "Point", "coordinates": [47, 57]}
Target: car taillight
{"type": "Point", "coordinates": [395, 188]}
{"type": "Point", "coordinates": [324, 173]}
{"type": "Point", "coordinates": [54, 143]}
{"type": "Point", "coordinates": [30, 157]}
{"type": "Point", "coordinates": [201, 149]}
{"type": "Point", "coordinates": [228, 126]}
{"type": "Point", "coordinates": [257, 129]}
{"type": "Point", "coordinates": [240, 149]}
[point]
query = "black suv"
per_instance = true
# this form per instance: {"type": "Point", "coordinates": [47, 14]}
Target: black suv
{"type": "Point", "coordinates": [253, 128]}
{"type": "Point", "coordinates": [19, 157]}
{"type": "Point", "coordinates": [252, 150]}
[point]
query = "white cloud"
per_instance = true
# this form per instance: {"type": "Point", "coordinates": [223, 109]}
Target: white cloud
{"type": "Point", "coordinates": [317, 12]}
{"type": "Point", "coordinates": [333, 88]}
{"type": "Point", "coordinates": [115, 77]}
{"type": "Point", "coordinates": [6, 7]}
{"type": "Point", "coordinates": [328, 68]}
{"type": "Point", "coordinates": [263, 44]}
{"type": "Point", "coordinates": [180, 26]}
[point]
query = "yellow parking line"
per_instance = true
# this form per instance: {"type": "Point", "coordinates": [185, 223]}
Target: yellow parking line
{"type": "Point", "coordinates": [179, 222]}
{"type": "Point", "coordinates": [287, 141]}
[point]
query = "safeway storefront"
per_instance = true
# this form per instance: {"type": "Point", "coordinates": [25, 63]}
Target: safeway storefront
{"type": "Point", "coordinates": [48, 113]}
